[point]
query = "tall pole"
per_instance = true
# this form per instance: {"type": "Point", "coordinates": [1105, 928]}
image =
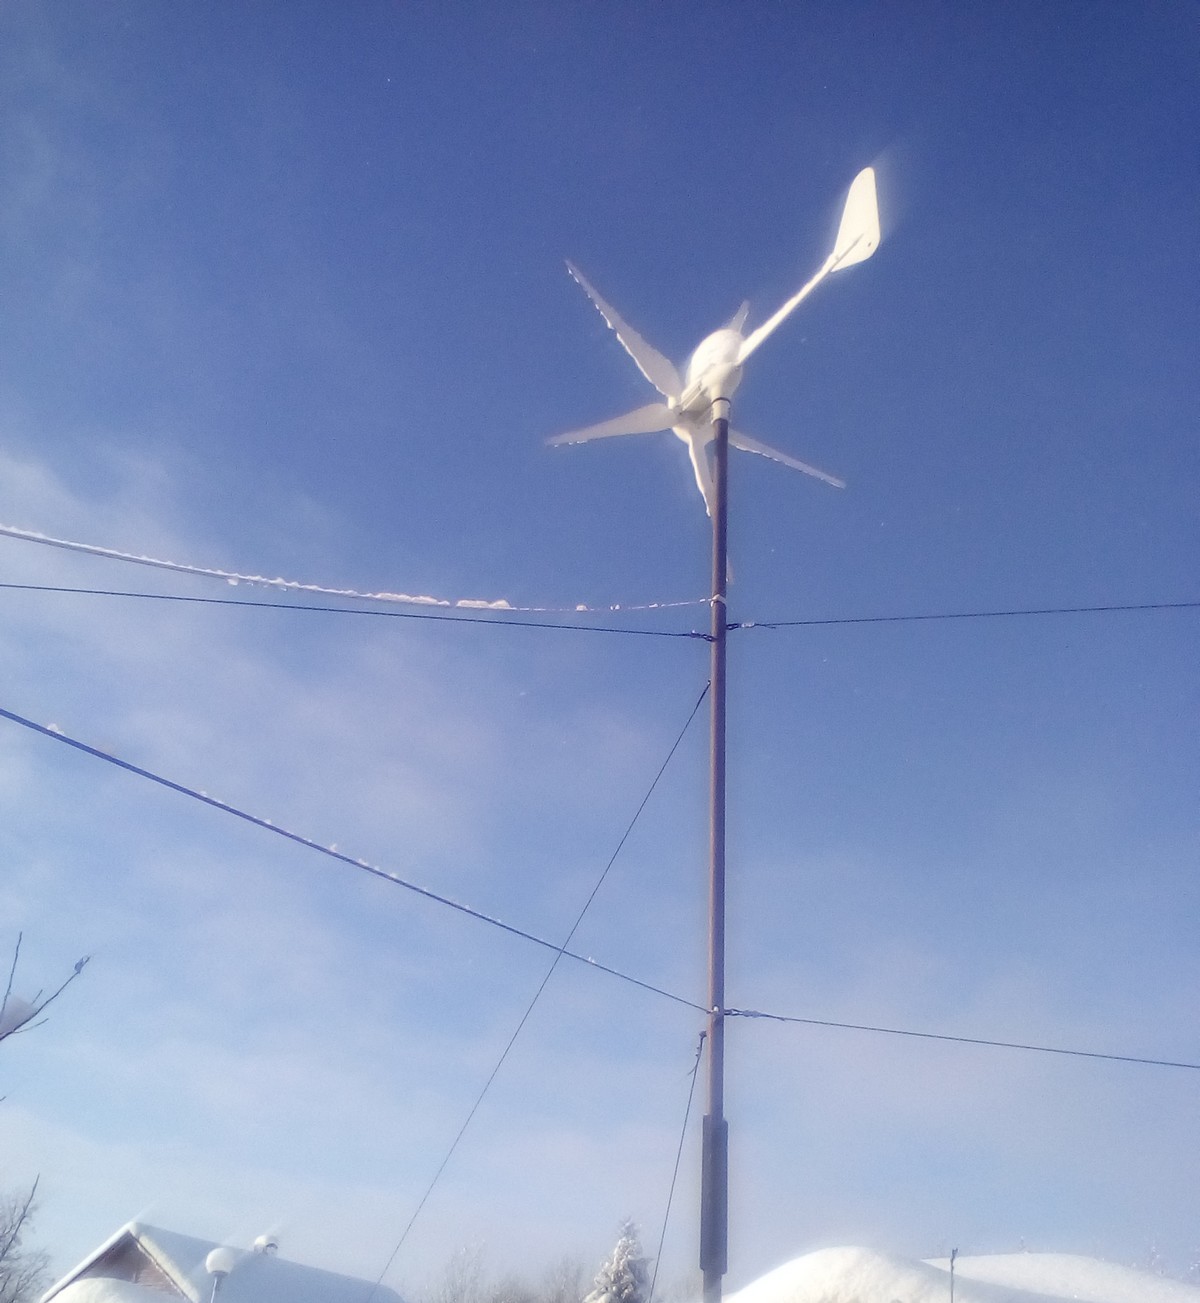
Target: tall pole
{"type": "Point", "coordinates": [714, 1169]}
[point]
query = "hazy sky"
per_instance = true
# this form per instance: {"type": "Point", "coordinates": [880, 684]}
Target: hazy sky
{"type": "Point", "coordinates": [283, 292]}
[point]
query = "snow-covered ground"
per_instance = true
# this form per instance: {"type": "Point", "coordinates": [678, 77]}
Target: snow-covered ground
{"type": "Point", "coordinates": [854, 1275]}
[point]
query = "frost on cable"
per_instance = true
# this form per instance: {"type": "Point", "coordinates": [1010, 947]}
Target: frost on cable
{"type": "Point", "coordinates": [350, 594]}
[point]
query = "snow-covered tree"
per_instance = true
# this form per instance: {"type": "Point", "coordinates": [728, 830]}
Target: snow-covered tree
{"type": "Point", "coordinates": [563, 1281]}
{"type": "Point", "coordinates": [623, 1278]}
{"type": "Point", "coordinates": [462, 1277]}
{"type": "Point", "coordinates": [22, 1270]}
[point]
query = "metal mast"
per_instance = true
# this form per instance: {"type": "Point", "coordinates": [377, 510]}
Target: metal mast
{"type": "Point", "coordinates": [714, 1171]}
{"type": "Point", "coordinates": [857, 239]}
{"type": "Point", "coordinates": [713, 374]}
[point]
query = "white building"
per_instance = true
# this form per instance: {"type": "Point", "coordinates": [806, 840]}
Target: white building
{"type": "Point", "coordinates": [141, 1264]}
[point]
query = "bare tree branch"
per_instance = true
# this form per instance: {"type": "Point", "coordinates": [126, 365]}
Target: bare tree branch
{"type": "Point", "coordinates": [22, 1270]}
{"type": "Point", "coordinates": [10, 1232]}
{"type": "Point", "coordinates": [18, 1015]}
{"type": "Point", "coordinates": [12, 972]}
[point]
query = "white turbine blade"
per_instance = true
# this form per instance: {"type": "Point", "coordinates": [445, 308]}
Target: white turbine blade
{"type": "Point", "coordinates": [857, 240]}
{"type": "Point", "coordinates": [643, 420]}
{"type": "Point", "coordinates": [747, 444]}
{"type": "Point", "coordinates": [698, 452]}
{"type": "Point", "coordinates": [738, 320]}
{"type": "Point", "coordinates": [858, 235]}
{"type": "Point", "coordinates": [650, 362]}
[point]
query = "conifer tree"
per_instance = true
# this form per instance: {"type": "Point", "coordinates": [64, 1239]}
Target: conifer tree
{"type": "Point", "coordinates": [623, 1278]}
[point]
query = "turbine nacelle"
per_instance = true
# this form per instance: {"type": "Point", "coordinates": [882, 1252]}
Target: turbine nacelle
{"type": "Point", "coordinates": [713, 372]}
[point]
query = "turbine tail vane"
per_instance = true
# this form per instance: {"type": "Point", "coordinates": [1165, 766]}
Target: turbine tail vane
{"type": "Point", "coordinates": [858, 234]}
{"type": "Point", "coordinates": [857, 240]}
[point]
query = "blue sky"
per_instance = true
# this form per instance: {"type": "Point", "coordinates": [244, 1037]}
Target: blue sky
{"type": "Point", "coordinates": [284, 293]}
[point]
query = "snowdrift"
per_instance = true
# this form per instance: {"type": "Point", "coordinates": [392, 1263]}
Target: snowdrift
{"type": "Point", "coordinates": [1064, 1275]}
{"type": "Point", "coordinates": [855, 1275]}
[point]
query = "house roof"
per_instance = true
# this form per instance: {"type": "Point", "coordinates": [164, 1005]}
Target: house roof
{"type": "Point", "coordinates": [142, 1264]}
{"type": "Point", "coordinates": [98, 1289]}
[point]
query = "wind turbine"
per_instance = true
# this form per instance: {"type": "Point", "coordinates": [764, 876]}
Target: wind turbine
{"type": "Point", "coordinates": [715, 368]}
{"type": "Point", "coordinates": [696, 410]}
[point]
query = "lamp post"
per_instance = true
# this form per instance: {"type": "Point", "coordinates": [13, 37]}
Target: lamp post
{"type": "Point", "coordinates": [219, 1263]}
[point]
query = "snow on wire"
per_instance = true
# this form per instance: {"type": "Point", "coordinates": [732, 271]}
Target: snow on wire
{"type": "Point", "coordinates": [350, 594]}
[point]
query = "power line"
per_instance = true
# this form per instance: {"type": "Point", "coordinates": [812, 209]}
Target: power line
{"type": "Point", "coordinates": [969, 615]}
{"type": "Point", "coordinates": [687, 1112]}
{"type": "Point", "coordinates": [512, 1040]}
{"type": "Point", "coordinates": [361, 865]}
{"type": "Point", "coordinates": [355, 610]}
{"type": "Point", "coordinates": [387, 876]}
{"type": "Point", "coordinates": [831, 621]}
{"type": "Point", "coordinates": [322, 590]}
{"type": "Point", "coordinates": [961, 1040]}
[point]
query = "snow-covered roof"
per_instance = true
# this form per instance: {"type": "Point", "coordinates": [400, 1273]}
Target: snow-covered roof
{"type": "Point", "coordinates": [99, 1289]}
{"type": "Point", "coordinates": [855, 1275]}
{"type": "Point", "coordinates": [171, 1265]}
